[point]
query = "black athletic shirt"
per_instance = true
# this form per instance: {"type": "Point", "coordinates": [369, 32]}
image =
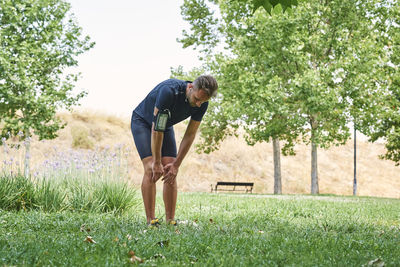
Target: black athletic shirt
{"type": "Point", "coordinates": [171, 95]}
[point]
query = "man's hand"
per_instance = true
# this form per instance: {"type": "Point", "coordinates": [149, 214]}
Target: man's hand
{"type": "Point", "coordinates": [158, 171]}
{"type": "Point", "coordinates": [170, 172]}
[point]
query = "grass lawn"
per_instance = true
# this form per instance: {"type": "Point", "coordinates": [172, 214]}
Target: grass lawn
{"type": "Point", "coordinates": [216, 230]}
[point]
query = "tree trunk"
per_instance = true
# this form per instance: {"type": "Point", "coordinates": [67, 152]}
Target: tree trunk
{"type": "Point", "coordinates": [27, 156]}
{"type": "Point", "coordinates": [314, 168]}
{"type": "Point", "coordinates": [355, 162]}
{"type": "Point", "coordinates": [277, 167]}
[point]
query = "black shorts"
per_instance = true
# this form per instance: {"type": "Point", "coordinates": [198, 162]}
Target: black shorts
{"type": "Point", "coordinates": [141, 132]}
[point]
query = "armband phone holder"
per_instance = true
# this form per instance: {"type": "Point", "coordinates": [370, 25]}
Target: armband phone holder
{"type": "Point", "coordinates": [161, 120]}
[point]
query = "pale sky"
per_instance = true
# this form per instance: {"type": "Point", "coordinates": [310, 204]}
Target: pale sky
{"type": "Point", "coordinates": [135, 48]}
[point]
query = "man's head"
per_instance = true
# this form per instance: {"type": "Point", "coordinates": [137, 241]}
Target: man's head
{"type": "Point", "coordinates": [201, 90]}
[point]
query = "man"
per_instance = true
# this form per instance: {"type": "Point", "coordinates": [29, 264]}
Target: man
{"type": "Point", "coordinates": [152, 128]}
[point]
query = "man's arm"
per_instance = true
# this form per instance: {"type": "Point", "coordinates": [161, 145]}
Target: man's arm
{"type": "Point", "coordinates": [156, 144]}
{"type": "Point", "coordinates": [187, 141]}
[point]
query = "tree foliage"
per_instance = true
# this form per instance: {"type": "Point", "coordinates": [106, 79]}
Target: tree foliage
{"type": "Point", "coordinates": [282, 62]}
{"type": "Point", "coordinates": [39, 41]}
{"type": "Point", "coordinates": [386, 121]}
{"type": "Point", "coordinates": [269, 5]}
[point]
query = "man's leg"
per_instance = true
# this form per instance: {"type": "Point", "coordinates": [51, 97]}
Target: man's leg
{"type": "Point", "coordinates": [170, 193]}
{"type": "Point", "coordinates": [148, 189]}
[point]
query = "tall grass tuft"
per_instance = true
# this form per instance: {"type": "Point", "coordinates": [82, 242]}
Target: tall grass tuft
{"type": "Point", "coordinates": [16, 193]}
{"type": "Point", "coordinates": [49, 197]}
{"type": "Point", "coordinates": [75, 180]}
{"type": "Point", "coordinates": [115, 197]}
{"type": "Point", "coordinates": [81, 197]}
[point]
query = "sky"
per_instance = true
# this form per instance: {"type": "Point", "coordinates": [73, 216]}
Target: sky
{"type": "Point", "coordinates": [135, 48]}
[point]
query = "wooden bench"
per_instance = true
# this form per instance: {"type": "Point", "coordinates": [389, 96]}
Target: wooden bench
{"type": "Point", "coordinates": [248, 187]}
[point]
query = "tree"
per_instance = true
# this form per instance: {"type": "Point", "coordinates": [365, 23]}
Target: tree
{"type": "Point", "coordinates": [262, 112]}
{"type": "Point", "coordinates": [386, 121]}
{"type": "Point", "coordinates": [299, 59]}
{"type": "Point", "coordinates": [362, 75]}
{"type": "Point", "coordinates": [39, 40]}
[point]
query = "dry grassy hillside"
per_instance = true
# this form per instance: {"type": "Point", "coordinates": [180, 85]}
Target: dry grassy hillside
{"type": "Point", "coordinates": [236, 161]}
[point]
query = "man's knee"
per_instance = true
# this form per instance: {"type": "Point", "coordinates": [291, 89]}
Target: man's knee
{"type": "Point", "coordinates": [148, 173]}
{"type": "Point", "coordinates": [172, 186]}
{"type": "Point", "coordinates": [167, 160]}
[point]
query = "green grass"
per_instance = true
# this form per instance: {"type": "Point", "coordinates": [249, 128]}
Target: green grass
{"type": "Point", "coordinates": [70, 193]}
{"type": "Point", "coordinates": [230, 230]}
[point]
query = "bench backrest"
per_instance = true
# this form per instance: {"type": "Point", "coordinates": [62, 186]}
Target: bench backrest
{"type": "Point", "coordinates": [235, 183]}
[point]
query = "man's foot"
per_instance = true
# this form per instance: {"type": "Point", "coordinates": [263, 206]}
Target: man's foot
{"type": "Point", "coordinates": [155, 222]}
{"type": "Point", "coordinates": [173, 222]}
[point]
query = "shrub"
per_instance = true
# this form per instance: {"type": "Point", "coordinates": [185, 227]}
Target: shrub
{"type": "Point", "coordinates": [80, 138]}
{"type": "Point", "coordinates": [96, 133]}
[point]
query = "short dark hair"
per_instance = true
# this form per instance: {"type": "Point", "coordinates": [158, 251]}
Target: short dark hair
{"type": "Point", "coordinates": [206, 83]}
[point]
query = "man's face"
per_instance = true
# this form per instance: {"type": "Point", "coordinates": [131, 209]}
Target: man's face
{"type": "Point", "coordinates": [197, 97]}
